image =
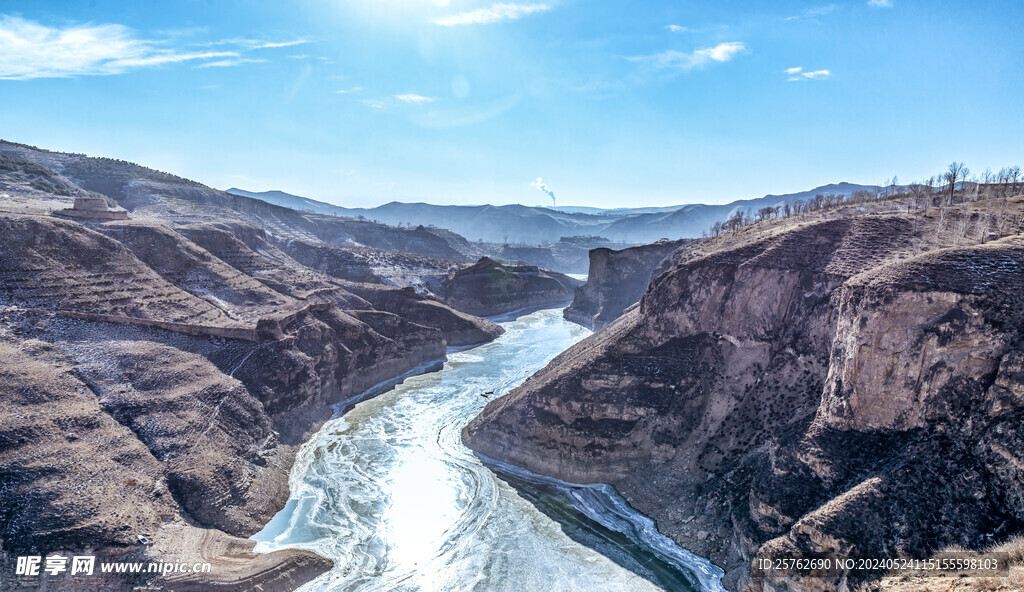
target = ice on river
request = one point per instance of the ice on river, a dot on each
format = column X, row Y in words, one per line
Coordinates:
column 390, row 494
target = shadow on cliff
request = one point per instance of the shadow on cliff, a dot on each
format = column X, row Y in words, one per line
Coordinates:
column 562, row 503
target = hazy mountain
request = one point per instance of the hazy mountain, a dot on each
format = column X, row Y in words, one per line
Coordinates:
column 612, row 211
column 539, row 225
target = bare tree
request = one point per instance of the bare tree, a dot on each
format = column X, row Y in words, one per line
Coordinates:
column 735, row 221
column 862, row 196
column 940, row 225
column 983, row 226
column 1001, row 179
column 917, row 196
column 955, row 172
column 930, row 184
column 962, row 224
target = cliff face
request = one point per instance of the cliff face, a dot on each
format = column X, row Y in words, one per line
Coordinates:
column 160, row 372
column 838, row 387
column 616, row 280
column 126, row 412
column 460, row 329
column 490, row 288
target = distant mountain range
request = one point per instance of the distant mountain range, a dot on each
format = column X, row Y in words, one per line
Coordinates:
column 540, row 225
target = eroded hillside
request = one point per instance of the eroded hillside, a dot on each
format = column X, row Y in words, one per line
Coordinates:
column 490, row 288
column 160, row 372
column 845, row 384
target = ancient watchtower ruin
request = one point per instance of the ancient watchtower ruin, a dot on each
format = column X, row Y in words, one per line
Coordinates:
column 92, row 207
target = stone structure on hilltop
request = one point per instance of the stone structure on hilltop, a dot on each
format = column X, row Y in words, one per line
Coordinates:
column 92, row 207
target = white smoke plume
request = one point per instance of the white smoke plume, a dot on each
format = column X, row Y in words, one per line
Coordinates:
column 539, row 184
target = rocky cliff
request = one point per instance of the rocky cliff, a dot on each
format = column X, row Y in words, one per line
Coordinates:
column 490, row 288
column 848, row 386
column 616, row 280
column 158, row 379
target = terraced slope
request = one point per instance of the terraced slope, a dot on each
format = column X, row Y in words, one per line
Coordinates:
column 58, row 265
column 184, row 263
column 147, row 193
column 158, row 381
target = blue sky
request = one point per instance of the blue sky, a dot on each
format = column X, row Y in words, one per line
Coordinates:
column 465, row 101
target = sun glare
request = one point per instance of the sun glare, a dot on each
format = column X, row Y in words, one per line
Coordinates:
column 421, row 511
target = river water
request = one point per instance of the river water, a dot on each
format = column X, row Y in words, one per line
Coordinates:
column 388, row 491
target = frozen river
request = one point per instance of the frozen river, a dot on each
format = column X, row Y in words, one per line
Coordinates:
column 389, row 493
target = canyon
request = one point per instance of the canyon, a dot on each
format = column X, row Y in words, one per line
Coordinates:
column 162, row 369
column 843, row 383
column 846, row 381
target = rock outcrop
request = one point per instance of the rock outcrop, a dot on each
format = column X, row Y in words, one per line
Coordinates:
column 490, row 288
column 459, row 329
column 846, row 387
column 158, row 380
column 615, row 282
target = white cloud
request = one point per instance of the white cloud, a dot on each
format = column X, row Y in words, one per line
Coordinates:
column 388, row 102
column 276, row 44
column 880, row 3
column 676, row 29
column 797, row 74
column 415, row 99
column 812, row 13
column 230, row 62
column 161, row 57
column 678, row 60
column 32, row 50
column 496, row 13
column 257, row 43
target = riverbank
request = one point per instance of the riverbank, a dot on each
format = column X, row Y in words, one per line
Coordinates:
column 390, row 494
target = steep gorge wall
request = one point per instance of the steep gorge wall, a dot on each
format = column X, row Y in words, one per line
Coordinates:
column 616, row 280
column 194, row 428
column 808, row 391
